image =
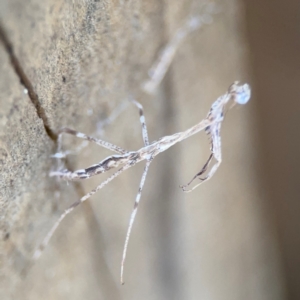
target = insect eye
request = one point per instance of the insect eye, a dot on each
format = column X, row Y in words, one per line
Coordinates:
column 243, row 94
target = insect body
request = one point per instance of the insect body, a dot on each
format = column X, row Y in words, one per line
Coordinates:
column 125, row 159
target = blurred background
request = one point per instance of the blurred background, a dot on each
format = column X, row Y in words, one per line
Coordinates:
column 75, row 63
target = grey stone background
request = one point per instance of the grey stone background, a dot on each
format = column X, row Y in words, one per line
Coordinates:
column 235, row 237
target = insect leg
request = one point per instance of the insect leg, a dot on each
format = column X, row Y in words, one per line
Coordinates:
column 143, row 121
column 215, row 139
column 132, row 218
column 202, row 171
column 74, row 205
column 83, row 136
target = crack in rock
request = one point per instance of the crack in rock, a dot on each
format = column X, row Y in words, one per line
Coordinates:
column 27, row 84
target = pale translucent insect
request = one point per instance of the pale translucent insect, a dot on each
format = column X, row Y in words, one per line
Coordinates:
column 125, row 159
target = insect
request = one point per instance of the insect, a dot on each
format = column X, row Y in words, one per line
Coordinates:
column 236, row 94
